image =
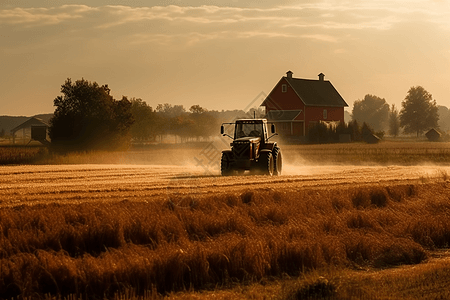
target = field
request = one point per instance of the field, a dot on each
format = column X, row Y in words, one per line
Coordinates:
column 157, row 223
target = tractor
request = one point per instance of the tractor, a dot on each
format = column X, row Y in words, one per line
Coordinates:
column 251, row 149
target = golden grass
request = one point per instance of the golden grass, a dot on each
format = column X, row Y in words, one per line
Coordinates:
column 215, row 241
column 21, row 154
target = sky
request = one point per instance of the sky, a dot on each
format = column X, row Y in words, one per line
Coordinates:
column 221, row 55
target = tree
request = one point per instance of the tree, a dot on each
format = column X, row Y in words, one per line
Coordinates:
column 204, row 123
column 373, row 110
column 444, row 118
column 258, row 112
column 366, row 131
column 319, row 133
column 419, row 111
column 170, row 111
column 88, row 118
column 354, row 130
column 144, row 126
column 171, row 119
column 394, row 121
column 197, row 109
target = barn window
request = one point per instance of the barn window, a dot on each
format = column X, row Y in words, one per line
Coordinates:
column 325, row 114
column 284, row 88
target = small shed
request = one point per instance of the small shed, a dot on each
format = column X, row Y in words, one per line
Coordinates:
column 433, row 135
column 34, row 129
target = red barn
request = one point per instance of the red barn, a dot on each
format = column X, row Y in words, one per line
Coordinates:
column 295, row 104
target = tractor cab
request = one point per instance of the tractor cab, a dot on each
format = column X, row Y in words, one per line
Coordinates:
column 250, row 129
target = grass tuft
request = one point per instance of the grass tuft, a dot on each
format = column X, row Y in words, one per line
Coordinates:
column 312, row 288
column 248, row 197
column 361, row 199
column 402, row 252
column 379, row 197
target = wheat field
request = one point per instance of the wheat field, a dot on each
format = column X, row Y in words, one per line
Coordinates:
column 164, row 231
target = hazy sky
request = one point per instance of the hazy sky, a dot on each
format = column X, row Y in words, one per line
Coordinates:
column 220, row 54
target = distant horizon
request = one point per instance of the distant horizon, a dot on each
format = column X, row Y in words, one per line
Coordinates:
column 221, row 54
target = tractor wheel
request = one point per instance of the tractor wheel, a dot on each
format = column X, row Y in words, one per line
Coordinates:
column 266, row 163
column 277, row 161
column 225, row 165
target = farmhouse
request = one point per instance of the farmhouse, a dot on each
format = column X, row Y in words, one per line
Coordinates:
column 295, row 105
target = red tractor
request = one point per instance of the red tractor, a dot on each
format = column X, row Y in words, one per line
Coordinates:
column 251, row 149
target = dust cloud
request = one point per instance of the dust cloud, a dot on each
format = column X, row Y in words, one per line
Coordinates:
column 203, row 159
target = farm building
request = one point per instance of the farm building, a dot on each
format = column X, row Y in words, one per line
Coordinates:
column 34, row 129
column 295, row 105
column 433, row 135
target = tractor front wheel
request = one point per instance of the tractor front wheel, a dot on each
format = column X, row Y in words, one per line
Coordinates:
column 277, row 161
column 266, row 163
column 225, row 165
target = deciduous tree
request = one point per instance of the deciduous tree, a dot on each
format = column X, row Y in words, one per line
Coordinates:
column 373, row 110
column 197, row 109
column 419, row 111
column 444, row 118
column 144, row 126
column 88, row 118
column 394, row 121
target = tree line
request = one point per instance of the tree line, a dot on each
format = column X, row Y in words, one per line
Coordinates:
column 374, row 116
column 419, row 112
column 167, row 120
column 87, row 117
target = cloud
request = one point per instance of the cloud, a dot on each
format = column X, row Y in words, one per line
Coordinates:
column 43, row 16
column 322, row 21
column 321, row 37
column 328, row 13
column 197, row 15
column 193, row 38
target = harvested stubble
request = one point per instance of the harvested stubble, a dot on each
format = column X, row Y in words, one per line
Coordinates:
column 98, row 249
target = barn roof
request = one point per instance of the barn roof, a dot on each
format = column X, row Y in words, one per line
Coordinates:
column 312, row 92
column 316, row 92
column 33, row 121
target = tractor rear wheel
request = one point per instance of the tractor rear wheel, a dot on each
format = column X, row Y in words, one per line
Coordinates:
column 277, row 161
column 266, row 164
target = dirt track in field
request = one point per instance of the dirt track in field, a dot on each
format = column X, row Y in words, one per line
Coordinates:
column 31, row 185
